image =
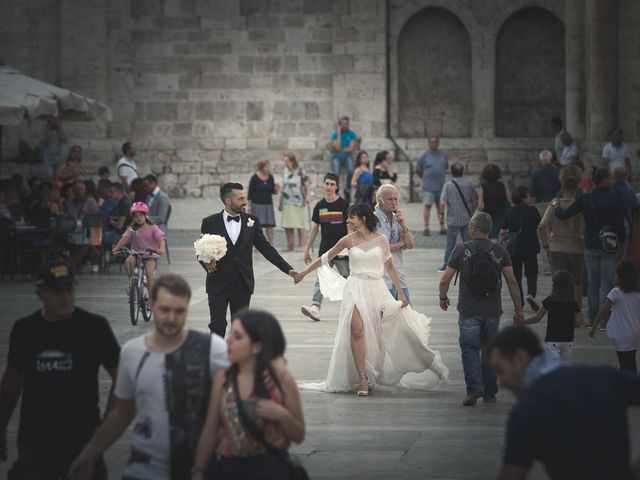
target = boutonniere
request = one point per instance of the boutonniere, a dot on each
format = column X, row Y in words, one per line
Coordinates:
column 250, row 222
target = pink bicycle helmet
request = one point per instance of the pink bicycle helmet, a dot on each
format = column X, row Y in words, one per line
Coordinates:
column 139, row 207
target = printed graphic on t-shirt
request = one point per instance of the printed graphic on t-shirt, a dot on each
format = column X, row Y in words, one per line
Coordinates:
column 327, row 216
column 54, row 361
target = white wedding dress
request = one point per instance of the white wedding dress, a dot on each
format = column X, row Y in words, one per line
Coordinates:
column 396, row 339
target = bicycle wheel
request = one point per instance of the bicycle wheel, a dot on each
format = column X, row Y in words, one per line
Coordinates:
column 134, row 309
column 144, row 302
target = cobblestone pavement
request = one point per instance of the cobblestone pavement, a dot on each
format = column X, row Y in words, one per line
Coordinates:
column 397, row 435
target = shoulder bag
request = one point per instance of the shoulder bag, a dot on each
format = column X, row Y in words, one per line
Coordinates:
column 294, row 467
column 466, row 206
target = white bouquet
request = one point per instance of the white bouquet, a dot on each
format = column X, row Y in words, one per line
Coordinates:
column 210, row 247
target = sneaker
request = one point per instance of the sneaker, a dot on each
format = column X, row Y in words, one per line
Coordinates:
column 489, row 399
column 311, row 311
column 442, row 269
column 425, row 232
column 532, row 303
column 471, row 399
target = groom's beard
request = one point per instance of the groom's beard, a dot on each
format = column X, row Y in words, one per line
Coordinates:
column 239, row 208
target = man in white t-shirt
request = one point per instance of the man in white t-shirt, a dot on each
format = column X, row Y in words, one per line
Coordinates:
column 570, row 153
column 163, row 384
column 616, row 154
column 126, row 168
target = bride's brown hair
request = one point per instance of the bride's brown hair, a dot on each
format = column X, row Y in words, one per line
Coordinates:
column 361, row 210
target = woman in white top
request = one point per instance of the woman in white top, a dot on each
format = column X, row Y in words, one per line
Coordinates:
column 623, row 327
column 379, row 340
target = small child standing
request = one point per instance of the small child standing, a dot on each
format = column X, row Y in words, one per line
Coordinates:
column 563, row 315
column 623, row 327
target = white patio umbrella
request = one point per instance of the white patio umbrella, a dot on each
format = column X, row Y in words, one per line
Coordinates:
column 24, row 98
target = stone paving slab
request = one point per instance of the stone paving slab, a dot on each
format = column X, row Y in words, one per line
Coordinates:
column 398, row 435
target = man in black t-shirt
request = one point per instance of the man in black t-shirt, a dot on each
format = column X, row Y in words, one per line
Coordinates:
column 54, row 358
column 571, row 419
column 330, row 215
column 119, row 217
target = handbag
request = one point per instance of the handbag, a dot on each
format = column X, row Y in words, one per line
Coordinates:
column 294, row 467
column 511, row 240
column 609, row 242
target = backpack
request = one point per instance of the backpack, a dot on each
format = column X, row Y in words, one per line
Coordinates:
column 481, row 273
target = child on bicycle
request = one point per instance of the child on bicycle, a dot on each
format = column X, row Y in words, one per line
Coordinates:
column 143, row 236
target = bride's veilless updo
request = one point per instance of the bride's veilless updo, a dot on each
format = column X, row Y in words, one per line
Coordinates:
column 361, row 210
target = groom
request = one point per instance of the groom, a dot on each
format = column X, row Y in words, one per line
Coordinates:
column 230, row 280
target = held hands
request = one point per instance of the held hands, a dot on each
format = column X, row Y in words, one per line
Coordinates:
column 297, row 276
column 518, row 318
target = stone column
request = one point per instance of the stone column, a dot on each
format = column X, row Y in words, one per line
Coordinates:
column 602, row 68
column 575, row 95
column 483, row 83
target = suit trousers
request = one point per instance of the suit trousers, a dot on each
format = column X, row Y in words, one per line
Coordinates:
column 235, row 296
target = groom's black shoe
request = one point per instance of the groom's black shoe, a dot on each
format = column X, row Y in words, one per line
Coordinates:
column 471, row 399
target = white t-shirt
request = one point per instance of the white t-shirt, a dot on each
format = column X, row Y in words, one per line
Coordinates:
column 150, row 427
column 623, row 327
column 568, row 153
column 126, row 167
column 616, row 155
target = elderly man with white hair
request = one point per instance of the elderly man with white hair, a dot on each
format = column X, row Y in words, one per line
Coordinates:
column 544, row 183
column 393, row 225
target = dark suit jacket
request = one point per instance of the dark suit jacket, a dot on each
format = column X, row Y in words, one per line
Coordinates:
column 238, row 260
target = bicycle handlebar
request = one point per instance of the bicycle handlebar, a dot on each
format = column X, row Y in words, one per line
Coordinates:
column 128, row 251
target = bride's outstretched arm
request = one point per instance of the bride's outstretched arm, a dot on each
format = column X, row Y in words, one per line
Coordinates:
column 343, row 243
column 393, row 274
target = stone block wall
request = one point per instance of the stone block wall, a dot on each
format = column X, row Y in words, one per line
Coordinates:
column 205, row 88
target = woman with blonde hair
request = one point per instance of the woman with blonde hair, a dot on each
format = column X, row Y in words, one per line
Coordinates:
column 259, row 197
column 295, row 196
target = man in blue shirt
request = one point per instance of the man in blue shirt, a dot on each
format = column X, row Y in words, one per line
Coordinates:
column 432, row 168
column 544, row 183
column 572, row 419
column 343, row 144
column 630, row 205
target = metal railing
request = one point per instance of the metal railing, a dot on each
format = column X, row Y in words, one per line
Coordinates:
column 402, row 156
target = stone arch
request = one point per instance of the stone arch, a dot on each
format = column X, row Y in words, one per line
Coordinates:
column 530, row 73
column 434, row 76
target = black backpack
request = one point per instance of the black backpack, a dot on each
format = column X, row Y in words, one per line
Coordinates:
column 480, row 272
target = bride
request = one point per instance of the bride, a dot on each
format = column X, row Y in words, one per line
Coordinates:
column 380, row 340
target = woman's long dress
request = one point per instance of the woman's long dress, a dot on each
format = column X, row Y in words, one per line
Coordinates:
column 396, row 339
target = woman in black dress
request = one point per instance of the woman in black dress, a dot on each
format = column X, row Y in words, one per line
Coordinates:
column 261, row 188
column 493, row 197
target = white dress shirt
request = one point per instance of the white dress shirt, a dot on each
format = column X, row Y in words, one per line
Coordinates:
column 152, row 197
column 233, row 228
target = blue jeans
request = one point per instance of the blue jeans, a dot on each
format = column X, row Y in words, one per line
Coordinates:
column 452, row 236
column 601, row 267
column 338, row 163
column 394, row 293
column 475, row 333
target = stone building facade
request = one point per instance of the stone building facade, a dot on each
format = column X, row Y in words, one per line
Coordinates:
column 205, row 88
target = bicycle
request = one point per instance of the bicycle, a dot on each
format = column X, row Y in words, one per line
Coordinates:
column 138, row 288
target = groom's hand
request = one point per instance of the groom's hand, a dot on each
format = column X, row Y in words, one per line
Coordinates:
column 292, row 273
column 211, row 266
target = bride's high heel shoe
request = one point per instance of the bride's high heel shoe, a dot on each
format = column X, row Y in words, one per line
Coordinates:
column 364, row 382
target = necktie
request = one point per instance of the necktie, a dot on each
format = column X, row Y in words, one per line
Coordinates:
column 233, row 219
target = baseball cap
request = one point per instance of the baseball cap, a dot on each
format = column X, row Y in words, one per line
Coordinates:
column 55, row 273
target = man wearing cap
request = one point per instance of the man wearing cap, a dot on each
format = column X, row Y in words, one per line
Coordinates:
column 53, row 362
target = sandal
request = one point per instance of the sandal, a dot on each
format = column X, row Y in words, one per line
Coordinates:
column 364, row 381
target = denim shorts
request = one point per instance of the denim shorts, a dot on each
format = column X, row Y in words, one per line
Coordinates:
column 429, row 198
